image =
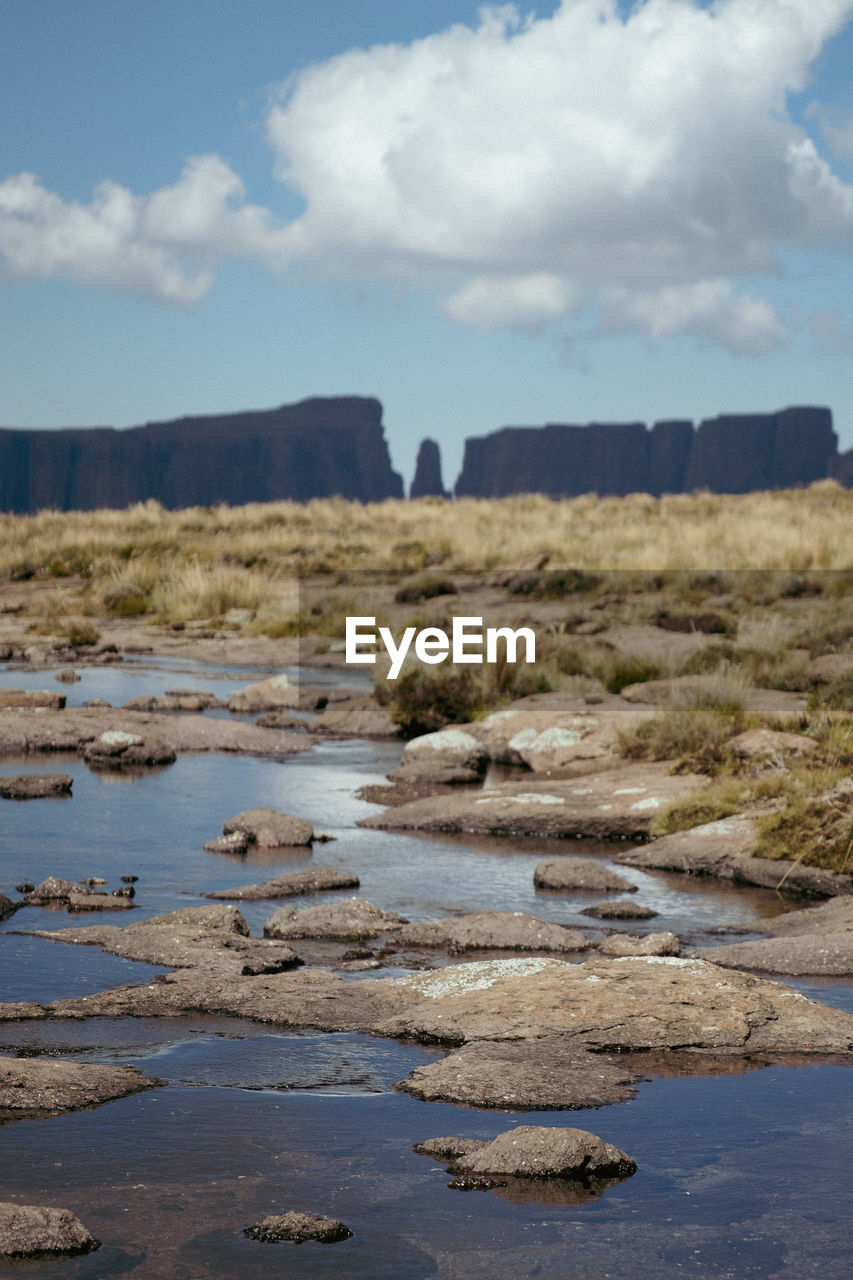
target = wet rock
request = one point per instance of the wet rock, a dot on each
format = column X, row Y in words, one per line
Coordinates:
column 571, row 872
column 129, row 879
column 448, row 1148
column 265, row 695
column 35, row 786
column 532, row 1151
column 270, row 829
column 291, row 884
column 281, row 720
column 214, row 939
column 55, row 892
column 620, row 910
column 67, row 675
column 7, row 906
column 53, row 889
column 540, row 1074
column 38, row 1231
column 297, row 1227
column 32, row 699
column 236, row 842
column 618, row 804
column 833, row 916
column 491, row 930
column 118, row 749
column 26, row 886
column 31, row 1086
column 724, row 849
column 358, row 717
column 176, row 700
column 653, row 944
column 117, row 901
column 355, row 919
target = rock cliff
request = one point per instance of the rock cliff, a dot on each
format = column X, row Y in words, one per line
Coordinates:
column 317, row 448
column 728, row 454
column 428, row 482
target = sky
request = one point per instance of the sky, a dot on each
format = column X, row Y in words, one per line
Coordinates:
column 485, row 216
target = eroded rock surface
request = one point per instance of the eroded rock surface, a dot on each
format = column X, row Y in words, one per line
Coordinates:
column 725, row 849
column 533, row 1151
column 44, row 1086
column 653, row 944
column 39, row 1231
column 491, row 930
column 354, row 920
column 291, row 884
column 614, row 805
column 356, row 717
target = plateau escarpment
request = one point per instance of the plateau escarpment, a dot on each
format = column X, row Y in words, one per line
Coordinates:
column 317, row 448
column 733, row 453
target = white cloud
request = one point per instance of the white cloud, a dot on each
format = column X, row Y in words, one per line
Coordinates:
column 640, row 163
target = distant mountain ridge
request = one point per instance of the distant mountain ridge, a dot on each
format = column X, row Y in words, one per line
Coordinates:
column 335, row 446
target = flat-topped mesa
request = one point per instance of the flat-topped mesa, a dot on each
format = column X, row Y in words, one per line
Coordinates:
column 322, row 447
column 734, row 453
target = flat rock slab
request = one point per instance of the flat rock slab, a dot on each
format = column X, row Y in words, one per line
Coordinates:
column 269, row 828
column 35, row 786
column 542, row 1074
column 618, row 804
column 658, row 1002
column 572, row 872
column 297, row 1227
column 653, row 944
column 22, row 730
column 44, row 1086
column 533, row 1151
column 631, row 1002
column 688, row 690
column 210, row 938
column 353, row 920
column 292, row 884
column 833, row 916
column 799, row 954
column 621, row 910
column 724, row 849
column 39, row 1231
column 491, row 930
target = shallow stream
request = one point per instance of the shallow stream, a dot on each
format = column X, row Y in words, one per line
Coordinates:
column 748, row 1174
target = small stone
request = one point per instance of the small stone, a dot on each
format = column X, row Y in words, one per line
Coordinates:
column 619, row 910
column 297, row 1227
column 653, row 944
column 129, row 879
column 571, row 872
column 24, row 887
column 448, row 1148
column 236, row 842
column 67, row 675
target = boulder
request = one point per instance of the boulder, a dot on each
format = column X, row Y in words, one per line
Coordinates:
column 265, row 695
column 572, row 872
column 546, row 1073
column 32, row 699
column 357, row 717
column 619, row 910
column 653, row 944
column 39, row 1231
column 297, row 1227
column 532, row 1151
column 449, row 755
column 117, row 749
column 35, row 786
column 491, row 930
column 558, row 733
column 270, row 829
column 32, row 1086
column 292, row 884
column 355, row 919
column 618, row 804
column 7, row 906
column 769, row 746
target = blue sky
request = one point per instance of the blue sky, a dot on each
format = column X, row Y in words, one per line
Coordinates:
column 559, row 212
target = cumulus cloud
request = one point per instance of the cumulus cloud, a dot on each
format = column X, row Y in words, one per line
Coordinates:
column 637, row 165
